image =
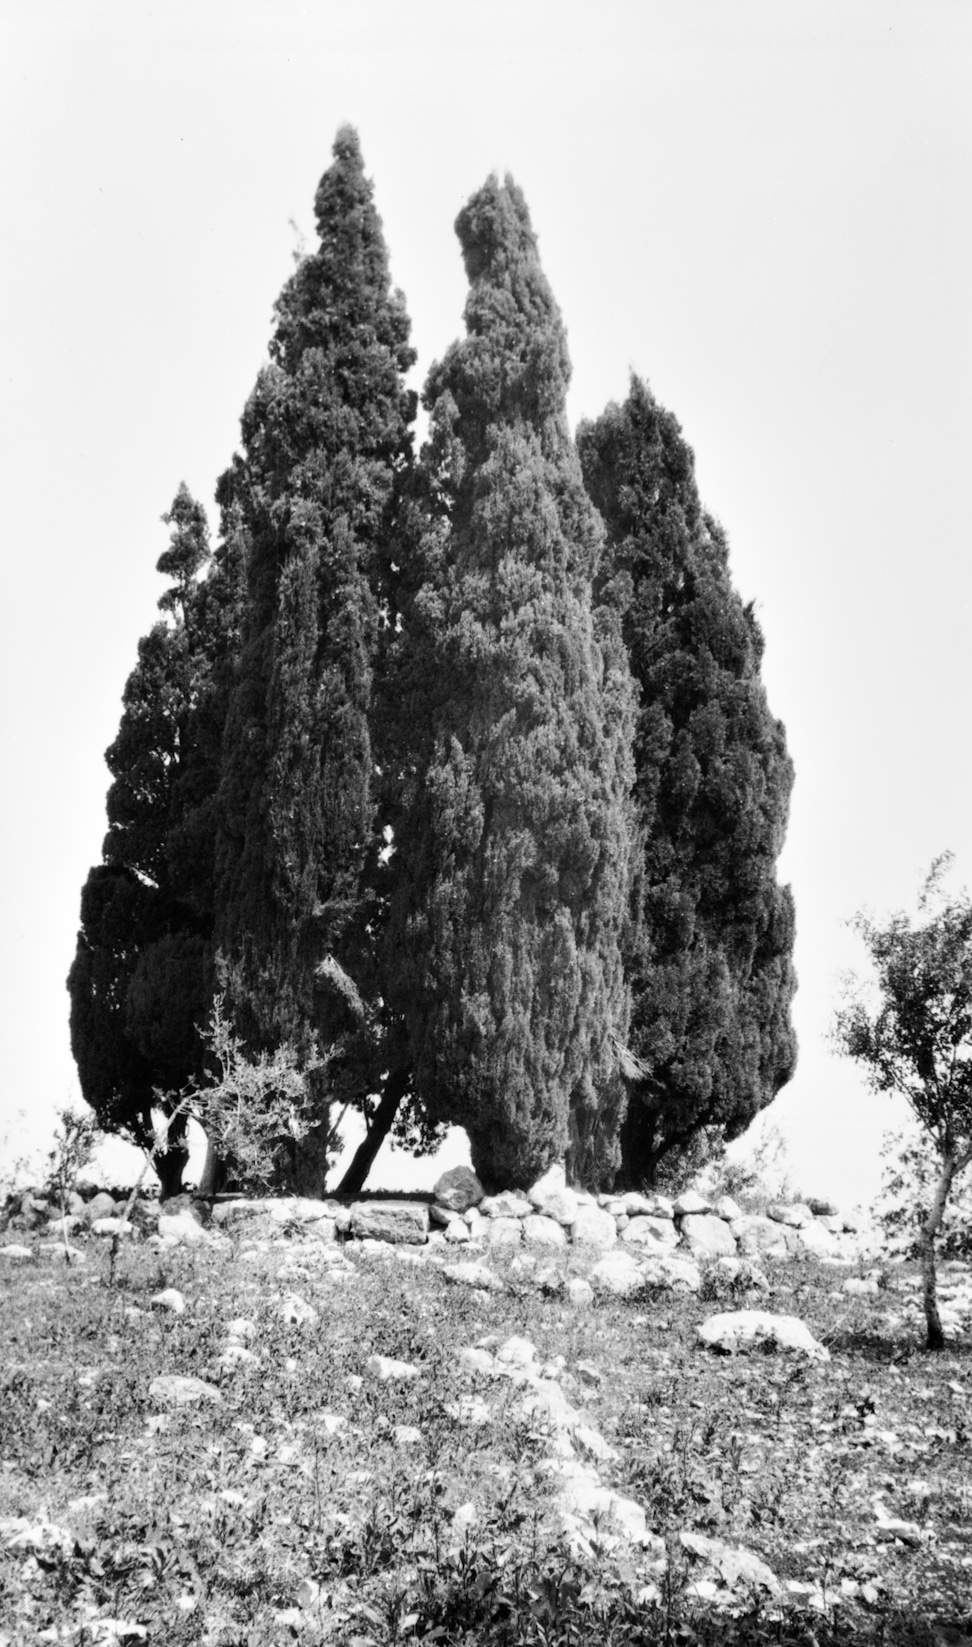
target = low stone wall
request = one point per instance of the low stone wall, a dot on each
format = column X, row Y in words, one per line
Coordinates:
column 551, row 1217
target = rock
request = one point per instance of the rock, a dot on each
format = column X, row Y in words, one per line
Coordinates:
column 505, row 1205
column 101, row 1205
column 457, row 1232
column 706, row 1235
column 182, row 1390
column 551, row 1196
column 734, row 1566
column 296, row 1311
column 472, row 1274
column 66, row 1225
column 637, row 1205
column 593, row 1443
column 812, row 1238
column 617, row 1274
column 579, row 1293
column 832, row 1222
column 594, row 1228
column 74, row 1204
column 648, row 1231
column 690, row 1204
column 169, row 1299
column 794, row 1217
column 440, row 1215
column 302, row 1209
column 504, row 1232
column 241, row 1330
column 517, row 1352
column 744, row 1329
column 474, row 1222
column 540, row 1231
column 180, row 1229
column 396, row 1221
column 476, row 1360
column 586, row 1508
column 15, row 1253
column 458, row 1189
column 407, row 1435
column 386, row 1368
column 860, row 1284
column 760, row 1237
column 728, row 1209
column 822, row 1208
column 112, row 1226
column 237, row 1355
column 671, row 1272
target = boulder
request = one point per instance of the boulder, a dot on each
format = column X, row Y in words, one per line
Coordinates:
column 759, row 1237
column 650, row 1232
column 182, row 1390
column 387, row 1369
column 727, row 1208
column 730, row 1564
column 813, row 1238
column 745, row 1329
column 794, row 1217
column 505, row 1205
column 504, row 1232
column 550, row 1196
column 181, row 1230
column 671, row 1272
column 637, row 1205
column 617, row 1274
column 594, row 1228
column 112, row 1226
column 457, row 1232
column 170, row 1298
column 101, row 1205
column 539, row 1231
column 706, row 1235
column 471, row 1273
column 579, row 1292
column 691, row 1203
column 458, row 1189
column 822, row 1208
column 400, row 1222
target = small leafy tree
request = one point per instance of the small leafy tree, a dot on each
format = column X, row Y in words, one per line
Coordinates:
column 907, row 1186
column 917, row 1040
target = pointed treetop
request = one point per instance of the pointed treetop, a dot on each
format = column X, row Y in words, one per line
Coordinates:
column 188, row 549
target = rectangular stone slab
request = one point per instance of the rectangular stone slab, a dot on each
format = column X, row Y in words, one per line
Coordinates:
column 396, row 1221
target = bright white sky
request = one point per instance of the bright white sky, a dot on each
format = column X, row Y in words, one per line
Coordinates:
column 762, row 208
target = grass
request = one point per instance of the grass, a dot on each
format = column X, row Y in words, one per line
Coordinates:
column 315, row 1503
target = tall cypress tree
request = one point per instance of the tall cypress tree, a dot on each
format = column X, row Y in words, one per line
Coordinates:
column 325, row 439
column 710, row 953
column 141, row 977
column 514, row 839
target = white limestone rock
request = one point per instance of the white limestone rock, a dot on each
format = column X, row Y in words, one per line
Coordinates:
column 540, row 1231
column 813, row 1238
column 706, row 1235
column 733, row 1565
column 505, row 1205
column 180, row 1229
column 617, row 1274
column 794, row 1216
column 579, row 1293
column 405, row 1222
column 296, row 1311
column 738, row 1330
column 656, row 1234
column 691, row 1203
column 727, row 1208
column 550, row 1195
column 387, row 1369
column 594, row 1228
column 170, row 1298
column 182, row 1390
column 760, row 1237
column 472, row 1273
column 504, row 1232
column 671, row 1272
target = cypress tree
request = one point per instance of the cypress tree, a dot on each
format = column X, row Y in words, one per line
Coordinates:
column 513, row 838
column 325, row 440
column 710, row 951
column 141, row 977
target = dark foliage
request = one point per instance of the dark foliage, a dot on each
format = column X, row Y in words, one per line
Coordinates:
column 514, row 838
column 325, row 441
column 710, row 952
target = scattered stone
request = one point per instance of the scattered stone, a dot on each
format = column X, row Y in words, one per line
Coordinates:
column 237, row 1355
column 733, row 1565
column 473, row 1273
column 636, row 1205
column 728, row 1209
column 404, row 1221
column 15, row 1253
column 101, row 1205
column 822, row 1208
column 617, row 1273
column 458, row 1190
column 170, row 1298
column 181, row 1229
column 671, row 1272
column 759, row 1236
column 408, row 1435
column 813, row 1238
column 517, row 1352
column 112, row 1226
column 647, row 1229
column 241, row 1330
column 579, row 1292
column 182, row 1390
column 745, row 1329
column 297, row 1312
column 457, row 1232
column 477, row 1360
column 386, row 1368
column 551, row 1196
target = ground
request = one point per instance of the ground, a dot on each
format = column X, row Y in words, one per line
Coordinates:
column 307, row 1495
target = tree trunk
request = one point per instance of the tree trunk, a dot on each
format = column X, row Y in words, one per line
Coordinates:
column 213, row 1174
column 929, row 1232
column 364, row 1156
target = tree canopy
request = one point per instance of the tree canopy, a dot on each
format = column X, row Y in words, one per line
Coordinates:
column 709, row 955
column 516, row 843
column 915, row 1038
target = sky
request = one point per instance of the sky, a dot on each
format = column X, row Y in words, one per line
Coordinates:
column 763, row 209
